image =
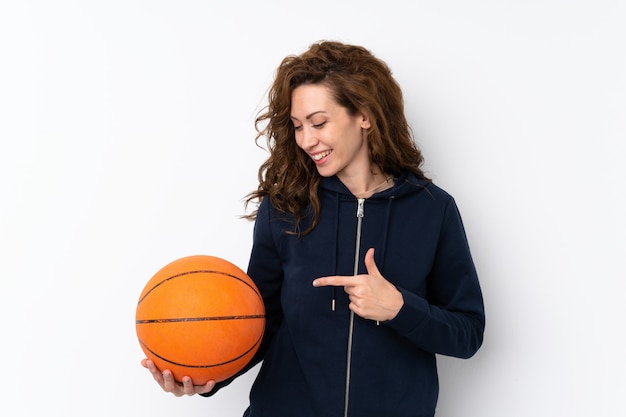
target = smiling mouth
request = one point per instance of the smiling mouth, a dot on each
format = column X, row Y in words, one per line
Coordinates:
column 321, row 155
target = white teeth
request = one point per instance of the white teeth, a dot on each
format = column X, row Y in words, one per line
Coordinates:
column 321, row 155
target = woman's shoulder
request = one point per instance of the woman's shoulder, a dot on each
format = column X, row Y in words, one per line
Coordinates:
column 411, row 184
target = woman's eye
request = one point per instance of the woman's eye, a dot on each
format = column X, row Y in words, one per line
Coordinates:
column 297, row 127
column 318, row 125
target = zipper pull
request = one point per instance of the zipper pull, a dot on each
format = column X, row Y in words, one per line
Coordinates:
column 359, row 209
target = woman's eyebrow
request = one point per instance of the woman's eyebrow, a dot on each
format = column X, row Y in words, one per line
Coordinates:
column 309, row 116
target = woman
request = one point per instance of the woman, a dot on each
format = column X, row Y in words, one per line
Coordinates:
column 362, row 261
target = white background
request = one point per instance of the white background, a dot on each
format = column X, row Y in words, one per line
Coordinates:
column 126, row 133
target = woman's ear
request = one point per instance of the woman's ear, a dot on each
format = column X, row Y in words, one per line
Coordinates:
column 365, row 120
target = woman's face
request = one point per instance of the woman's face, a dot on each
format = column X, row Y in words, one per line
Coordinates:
column 334, row 139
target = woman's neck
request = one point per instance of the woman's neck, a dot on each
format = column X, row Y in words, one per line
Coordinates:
column 378, row 183
column 368, row 181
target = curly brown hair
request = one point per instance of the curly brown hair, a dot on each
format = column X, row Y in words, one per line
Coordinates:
column 360, row 82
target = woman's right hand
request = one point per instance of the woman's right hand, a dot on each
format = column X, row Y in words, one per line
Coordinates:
column 167, row 382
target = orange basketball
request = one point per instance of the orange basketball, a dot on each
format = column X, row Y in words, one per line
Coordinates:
column 202, row 317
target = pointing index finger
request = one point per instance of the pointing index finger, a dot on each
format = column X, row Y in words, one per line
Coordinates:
column 335, row 281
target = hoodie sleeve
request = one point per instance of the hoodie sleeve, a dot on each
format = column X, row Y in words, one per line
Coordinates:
column 266, row 271
column 451, row 319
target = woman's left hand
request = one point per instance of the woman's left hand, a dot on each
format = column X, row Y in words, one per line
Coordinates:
column 371, row 295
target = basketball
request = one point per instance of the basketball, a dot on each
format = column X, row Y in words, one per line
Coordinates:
column 200, row 316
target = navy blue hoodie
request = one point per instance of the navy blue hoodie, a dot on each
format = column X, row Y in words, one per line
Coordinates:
column 420, row 247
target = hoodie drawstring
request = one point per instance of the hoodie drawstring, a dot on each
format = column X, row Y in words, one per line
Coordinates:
column 333, row 301
column 383, row 247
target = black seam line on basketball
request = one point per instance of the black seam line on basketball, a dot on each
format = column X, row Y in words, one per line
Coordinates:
column 202, row 366
column 199, row 271
column 188, row 319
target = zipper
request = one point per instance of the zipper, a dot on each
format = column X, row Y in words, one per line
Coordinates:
column 359, row 219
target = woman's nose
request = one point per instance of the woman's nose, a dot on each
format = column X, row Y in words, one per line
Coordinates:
column 309, row 138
